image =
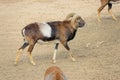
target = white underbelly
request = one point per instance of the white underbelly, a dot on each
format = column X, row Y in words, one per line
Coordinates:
column 117, row 2
column 47, row 42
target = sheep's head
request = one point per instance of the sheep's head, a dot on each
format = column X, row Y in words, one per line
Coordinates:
column 77, row 22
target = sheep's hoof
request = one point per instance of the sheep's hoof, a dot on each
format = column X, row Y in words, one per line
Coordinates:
column 15, row 63
column 33, row 63
column 73, row 59
column 54, row 61
column 115, row 19
column 99, row 20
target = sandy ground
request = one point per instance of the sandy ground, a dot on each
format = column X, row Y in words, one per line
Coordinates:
column 96, row 46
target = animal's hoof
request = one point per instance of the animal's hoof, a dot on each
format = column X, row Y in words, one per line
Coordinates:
column 15, row 63
column 73, row 59
column 54, row 61
column 99, row 20
column 33, row 63
column 115, row 19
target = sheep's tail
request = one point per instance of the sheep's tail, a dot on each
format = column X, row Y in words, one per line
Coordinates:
column 23, row 32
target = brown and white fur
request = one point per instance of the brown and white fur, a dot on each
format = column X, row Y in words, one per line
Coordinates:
column 63, row 31
column 105, row 3
column 54, row 73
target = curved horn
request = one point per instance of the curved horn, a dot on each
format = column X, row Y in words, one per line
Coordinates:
column 69, row 16
column 73, row 21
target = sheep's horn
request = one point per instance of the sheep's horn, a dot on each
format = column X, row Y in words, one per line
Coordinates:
column 69, row 16
column 73, row 21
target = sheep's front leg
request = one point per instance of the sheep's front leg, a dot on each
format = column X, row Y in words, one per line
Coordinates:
column 55, row 51
column 65, row 44
column 73, row 59
column 100, row 9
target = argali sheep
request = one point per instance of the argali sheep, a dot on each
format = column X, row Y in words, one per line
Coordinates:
column 63, row 31
column 54, row 73
column 105, row 3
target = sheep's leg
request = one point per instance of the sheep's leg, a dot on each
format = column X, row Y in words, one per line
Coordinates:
column 17, row 56
column 100, row 9
column 67, row 47
column 20, row 51
column 55, row 51
column 110, row 11
column 29, row 53
column 31, row 58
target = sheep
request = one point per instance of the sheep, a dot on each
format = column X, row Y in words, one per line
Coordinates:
column 54, row 73
column 62, row 31
column 105, row 3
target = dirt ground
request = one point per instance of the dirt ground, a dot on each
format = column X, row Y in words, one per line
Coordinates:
column 96, row 46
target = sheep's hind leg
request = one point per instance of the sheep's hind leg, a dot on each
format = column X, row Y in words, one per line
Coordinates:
column 18, row 56
column 31, row 58
column 20, row 52
column 110, row 11
column 29, row 54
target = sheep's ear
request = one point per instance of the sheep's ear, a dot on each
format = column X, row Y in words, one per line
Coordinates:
column 73, row 21
column 69, row 16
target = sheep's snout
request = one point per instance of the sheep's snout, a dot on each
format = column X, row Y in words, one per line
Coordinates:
column 81, row 23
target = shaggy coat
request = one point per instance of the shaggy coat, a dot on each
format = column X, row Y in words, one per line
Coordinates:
column 63, row 31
